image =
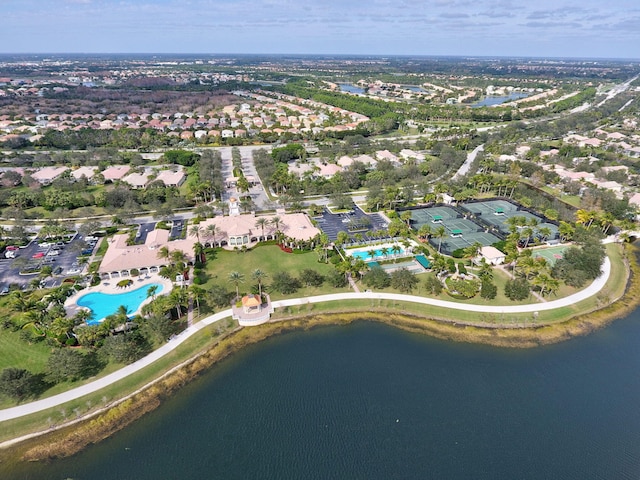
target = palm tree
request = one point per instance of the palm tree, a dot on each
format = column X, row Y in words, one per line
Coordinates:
column 396, row 249
column 259, row 276
column 210, row 231
column 527, row 233
column 195, row 230
column 179, row 258
column 151, row 291
column 236, row 278
column 276, row 221
column 384, row 251
column 179, row 298
column 566, row 231
column 544, row 232
column 197, row 293
column 440, row 233
column 198, row 252
column 372, row 253
column 262, row 222
column 163, row 253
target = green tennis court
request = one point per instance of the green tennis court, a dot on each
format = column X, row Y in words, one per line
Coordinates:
column 551, row 254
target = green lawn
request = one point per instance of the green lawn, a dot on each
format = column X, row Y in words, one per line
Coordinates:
column 270, row 259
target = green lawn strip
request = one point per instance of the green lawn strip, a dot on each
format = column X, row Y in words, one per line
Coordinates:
column 16, row 352
column 42, row 420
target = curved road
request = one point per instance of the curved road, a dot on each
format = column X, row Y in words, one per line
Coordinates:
column 56, row 400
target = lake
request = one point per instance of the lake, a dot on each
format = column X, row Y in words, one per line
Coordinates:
column 372, row 402
column 350, row 88
column 497, row 100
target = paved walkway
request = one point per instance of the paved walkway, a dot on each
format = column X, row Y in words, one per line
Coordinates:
column 56, row 400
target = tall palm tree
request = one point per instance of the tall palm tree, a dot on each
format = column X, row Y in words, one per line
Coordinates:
column 259, row 276
column 440, row 233
column 262, row 222
column 198, row 252
column 197, row 293
column 236, row 278
column 179, row 258
column 566, row 231
column 195, row 231
column 276, row 222
column 163, row 253
column 396, row 249
column 384, row 251
column 179, row 298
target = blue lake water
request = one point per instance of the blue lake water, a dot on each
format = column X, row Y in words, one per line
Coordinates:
column 348, row 87
column 497, row 100
column 104, row 304
column 372, row 402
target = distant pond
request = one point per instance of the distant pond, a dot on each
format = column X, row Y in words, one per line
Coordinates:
column 497, row 100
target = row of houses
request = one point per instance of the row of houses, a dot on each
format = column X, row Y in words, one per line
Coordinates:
column 173, row 176
column 319, row 168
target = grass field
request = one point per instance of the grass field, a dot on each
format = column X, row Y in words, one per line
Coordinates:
column 270, row 259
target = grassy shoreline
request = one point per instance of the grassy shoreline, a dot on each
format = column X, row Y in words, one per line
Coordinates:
column 66, row 440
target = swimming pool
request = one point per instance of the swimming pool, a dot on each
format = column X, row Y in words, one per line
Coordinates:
column 104, row 304
column 365, row 254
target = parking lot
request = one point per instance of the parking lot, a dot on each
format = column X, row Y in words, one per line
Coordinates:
column 61, row 256
column 332, row 223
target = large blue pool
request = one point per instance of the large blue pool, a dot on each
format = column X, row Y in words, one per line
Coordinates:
column 104, row 304
column 364, row 254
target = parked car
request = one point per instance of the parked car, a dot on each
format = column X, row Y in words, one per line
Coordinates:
column 53, row 253
column 57, row 270
column 88, row 251
column 38, row 255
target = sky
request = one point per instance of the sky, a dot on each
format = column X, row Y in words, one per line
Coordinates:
column 532, row 28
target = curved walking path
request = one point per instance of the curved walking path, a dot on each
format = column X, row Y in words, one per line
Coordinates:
column 94, row 386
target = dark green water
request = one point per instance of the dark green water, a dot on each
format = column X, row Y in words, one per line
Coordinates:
column 367, row 401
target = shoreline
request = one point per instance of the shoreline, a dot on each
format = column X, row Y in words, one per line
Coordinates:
column 70, row 438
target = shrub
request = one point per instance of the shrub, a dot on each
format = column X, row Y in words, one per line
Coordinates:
column 462, row 270
column 458, row 253
column 135, row 272
column 488, row 289
column 517, row 289
column 377, row 278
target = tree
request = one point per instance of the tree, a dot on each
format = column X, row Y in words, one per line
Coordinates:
column 376, row 277
column 65, row 364
column 195, row 231
column 284, row 283
column 17, row 383
column 488, row 289
column 211, row 231
column 336, row 279
column 403, row 280
column 219, row 296
column 517, row 289
column 259, row 276
column 276, row 221
column 440, row 233
column 126, row 347
column 236, row 278
column 311, row 278
column 433, row 285
column 197, row 293
column 262, row 222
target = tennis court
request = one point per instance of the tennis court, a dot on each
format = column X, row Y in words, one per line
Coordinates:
column 487, row 216
column 551, row 254
column 432, row 216
column 450, row 244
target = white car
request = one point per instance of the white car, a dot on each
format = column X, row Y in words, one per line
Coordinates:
column 53, row 253
column 44, row 245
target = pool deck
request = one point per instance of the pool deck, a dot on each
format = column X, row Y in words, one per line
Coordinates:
column 111, row 287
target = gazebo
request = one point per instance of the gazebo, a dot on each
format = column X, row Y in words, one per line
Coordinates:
column 251, row 304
